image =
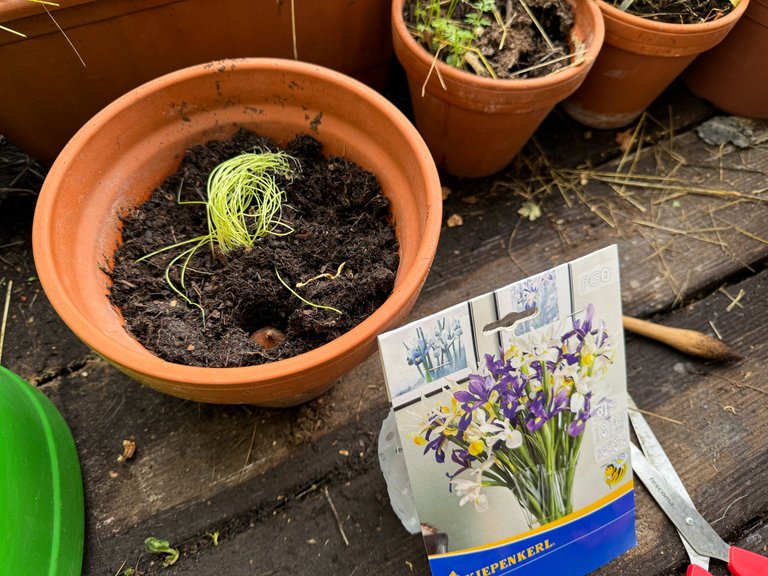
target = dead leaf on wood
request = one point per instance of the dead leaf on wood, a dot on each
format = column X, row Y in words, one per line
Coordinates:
column 129, row 451
column 624, row 139
column 455, row 220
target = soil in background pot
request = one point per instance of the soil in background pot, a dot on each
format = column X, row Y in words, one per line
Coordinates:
column 339, row 215
column 516, row 40
column 678, row 11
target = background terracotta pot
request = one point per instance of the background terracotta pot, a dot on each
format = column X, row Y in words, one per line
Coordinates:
column 477, row 125
column 734, row 74
column 116, row 160
column 47, row 94
column 639, row 60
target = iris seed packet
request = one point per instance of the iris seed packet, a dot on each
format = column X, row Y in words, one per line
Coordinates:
column 512, row 413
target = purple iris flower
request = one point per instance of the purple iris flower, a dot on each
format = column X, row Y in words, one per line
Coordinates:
column 560, row 402
column 478, row 392
column 437, row 446
column 509, row 402
column 463, row 458
column 581, row 327
column 500, row 369
column 537, row 416
column 576, row 427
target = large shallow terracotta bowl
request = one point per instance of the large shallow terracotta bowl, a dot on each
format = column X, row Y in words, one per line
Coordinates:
column 113, row 163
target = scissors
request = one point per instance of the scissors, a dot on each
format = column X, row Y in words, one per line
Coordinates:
column 699, row 538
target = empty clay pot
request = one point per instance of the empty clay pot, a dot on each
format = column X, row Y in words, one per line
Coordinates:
column 115, row 161
column 475, row 126
column 640, row 58
column 734, row 74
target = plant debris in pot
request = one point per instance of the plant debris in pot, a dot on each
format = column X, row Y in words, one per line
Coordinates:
column 677, row 11
column 496, row 38
column 251, row 254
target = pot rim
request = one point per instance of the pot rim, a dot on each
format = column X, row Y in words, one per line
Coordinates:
column 264, row 375
column 16, row 9
column 522, row 84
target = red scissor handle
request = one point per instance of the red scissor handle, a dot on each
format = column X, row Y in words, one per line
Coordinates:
column 694, row 570
column 745, row 563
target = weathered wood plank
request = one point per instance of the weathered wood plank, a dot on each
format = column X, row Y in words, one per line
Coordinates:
column 172, row 496
column 720, row 451
column 189, row 454
column 661, row 265
column 37, row 345
column 43, row 348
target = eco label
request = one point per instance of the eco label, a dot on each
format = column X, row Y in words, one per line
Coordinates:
column 512, row 412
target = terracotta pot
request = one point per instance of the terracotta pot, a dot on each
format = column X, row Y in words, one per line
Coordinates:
column 477, row 125
column 114, row 162
column 734, row 74
column 639, row 60
column 47, row 94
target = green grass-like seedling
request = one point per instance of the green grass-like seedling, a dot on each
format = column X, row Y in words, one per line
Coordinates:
column 452, row 34
column 244, row 203
column 244, row 200
column 292, row 291
column 156, row 546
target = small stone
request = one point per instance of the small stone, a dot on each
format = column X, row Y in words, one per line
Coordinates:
column 454, row 220
column 191, row 347
column 446, row 192
column 727, row 129
column 344, row 452
column 471, row 199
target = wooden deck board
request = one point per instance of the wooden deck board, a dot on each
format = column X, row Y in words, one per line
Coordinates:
column 720, row 455
column 245, row 471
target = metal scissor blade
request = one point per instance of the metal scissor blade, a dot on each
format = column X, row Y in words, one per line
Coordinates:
column 655, row 454
column 692, row 525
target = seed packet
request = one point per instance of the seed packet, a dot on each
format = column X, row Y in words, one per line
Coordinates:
column 512, row 412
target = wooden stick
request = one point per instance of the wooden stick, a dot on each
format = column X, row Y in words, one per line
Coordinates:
column 5, row 316
column 688, row 341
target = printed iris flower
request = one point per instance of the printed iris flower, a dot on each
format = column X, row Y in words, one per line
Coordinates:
column 520, row 424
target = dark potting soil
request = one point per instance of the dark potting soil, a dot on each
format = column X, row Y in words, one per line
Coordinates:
column 523, row 52
column 679, row 11
column 339, row 216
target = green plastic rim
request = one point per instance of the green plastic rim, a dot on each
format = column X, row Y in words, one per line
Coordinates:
column 42, row 516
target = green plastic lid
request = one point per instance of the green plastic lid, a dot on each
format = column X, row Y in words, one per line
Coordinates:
column 42, row 518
